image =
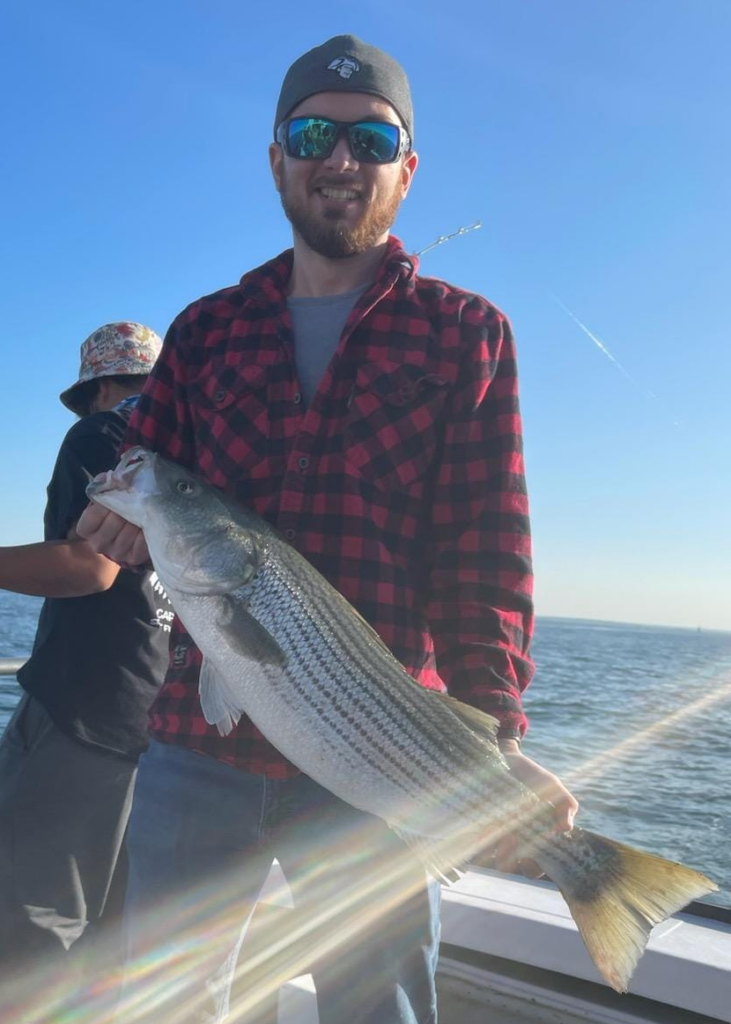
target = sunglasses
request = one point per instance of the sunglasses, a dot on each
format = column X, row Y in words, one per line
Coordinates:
column 371, row 142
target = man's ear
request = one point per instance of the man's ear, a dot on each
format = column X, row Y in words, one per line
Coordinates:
column 408, row 170
column 276, row 158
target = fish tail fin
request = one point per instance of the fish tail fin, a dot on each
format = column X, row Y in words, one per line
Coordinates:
column 617, row 894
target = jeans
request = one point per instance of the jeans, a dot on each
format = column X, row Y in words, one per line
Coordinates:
column 201, row 839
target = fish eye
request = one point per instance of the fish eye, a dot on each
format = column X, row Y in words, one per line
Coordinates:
column 184, row 487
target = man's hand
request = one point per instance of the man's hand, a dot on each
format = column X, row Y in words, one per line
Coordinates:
column 113, row 536
column 503, row 854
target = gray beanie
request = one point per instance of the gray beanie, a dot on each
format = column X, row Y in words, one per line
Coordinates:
column 346, row 64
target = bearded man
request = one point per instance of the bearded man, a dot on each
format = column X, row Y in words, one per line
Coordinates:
column 371, row 415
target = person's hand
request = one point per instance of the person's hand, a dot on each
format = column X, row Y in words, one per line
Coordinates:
column 113, row 536
column 504, row 854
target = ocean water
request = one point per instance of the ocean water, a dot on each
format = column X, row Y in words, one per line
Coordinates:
column 635, row 719
column 18, row 618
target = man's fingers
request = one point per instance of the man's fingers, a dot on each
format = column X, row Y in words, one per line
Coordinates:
column 123, row 542
column 140, row 554
column 503, row 855
column 111, row 535
column 566, row 810
column 548, row 786
column 90, row 519
column 507, row 858
column 565, row 805
column 100, row 526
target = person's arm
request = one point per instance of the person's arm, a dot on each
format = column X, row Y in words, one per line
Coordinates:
column 64, row 565
column 480, row 610
column 55, row 568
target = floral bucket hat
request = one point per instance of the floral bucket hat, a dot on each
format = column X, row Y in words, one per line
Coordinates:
column 118, row 348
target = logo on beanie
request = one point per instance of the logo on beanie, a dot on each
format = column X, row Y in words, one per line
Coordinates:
column 345, row 66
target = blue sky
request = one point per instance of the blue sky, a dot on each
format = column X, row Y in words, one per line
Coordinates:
column 590, row 137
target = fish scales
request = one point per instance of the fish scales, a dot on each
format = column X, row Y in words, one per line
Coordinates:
column 344, row 668
column 292, row 699
column 323, row 677
column 405, row 732
column 362, row 650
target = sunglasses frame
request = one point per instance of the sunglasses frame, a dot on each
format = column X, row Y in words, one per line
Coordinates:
column 282, row 137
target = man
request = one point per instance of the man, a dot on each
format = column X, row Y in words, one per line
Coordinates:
column 68, row 756
column 372, row 416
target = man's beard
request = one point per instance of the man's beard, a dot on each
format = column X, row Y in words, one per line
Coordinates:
column 331, row 237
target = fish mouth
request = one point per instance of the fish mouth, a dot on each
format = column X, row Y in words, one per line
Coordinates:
column 122, row 477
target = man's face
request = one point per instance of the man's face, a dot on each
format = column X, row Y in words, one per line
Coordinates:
column 338, row 206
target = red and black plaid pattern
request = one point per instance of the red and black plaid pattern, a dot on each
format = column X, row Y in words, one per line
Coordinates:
column 402, row 482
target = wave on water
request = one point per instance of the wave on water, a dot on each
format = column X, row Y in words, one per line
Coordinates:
column 18, row 619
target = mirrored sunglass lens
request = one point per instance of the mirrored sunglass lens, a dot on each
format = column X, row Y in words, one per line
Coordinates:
column 310, row 137
column 374, row 141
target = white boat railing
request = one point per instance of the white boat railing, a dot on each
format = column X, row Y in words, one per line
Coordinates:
column 509, row 941
column 9, row 666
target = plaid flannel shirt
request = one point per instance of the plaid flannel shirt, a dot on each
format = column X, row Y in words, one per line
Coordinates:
column 402, row 483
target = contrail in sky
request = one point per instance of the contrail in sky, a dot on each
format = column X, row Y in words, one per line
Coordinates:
column 606, row 352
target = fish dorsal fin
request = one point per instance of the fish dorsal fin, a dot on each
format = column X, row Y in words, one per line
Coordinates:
column 433, row 854
column 478, row 722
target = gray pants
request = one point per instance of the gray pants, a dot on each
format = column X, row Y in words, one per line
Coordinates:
column 63, row 815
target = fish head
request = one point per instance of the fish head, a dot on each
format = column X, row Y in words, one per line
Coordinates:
column 128, row 487
column 195, row 542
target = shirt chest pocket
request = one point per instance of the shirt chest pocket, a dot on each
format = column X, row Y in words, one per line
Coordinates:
column 231, row 416
column 392, row 427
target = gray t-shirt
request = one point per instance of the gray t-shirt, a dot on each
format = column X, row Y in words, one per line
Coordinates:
column 317, row 324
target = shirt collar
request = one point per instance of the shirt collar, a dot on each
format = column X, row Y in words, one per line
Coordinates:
column 268, row 283
column 127, row 404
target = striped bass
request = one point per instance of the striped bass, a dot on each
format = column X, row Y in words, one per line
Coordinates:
column 281, row 645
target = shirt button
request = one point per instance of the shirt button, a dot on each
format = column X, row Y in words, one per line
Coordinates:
column 303, row 462
column 220, row 396
column 297, row 398
column 290, row 534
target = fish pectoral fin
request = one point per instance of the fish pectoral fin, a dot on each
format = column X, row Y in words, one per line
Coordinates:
column 478, row 722
column 435, row 854
column 218, row 701
column 246, row 635
column 223, row 698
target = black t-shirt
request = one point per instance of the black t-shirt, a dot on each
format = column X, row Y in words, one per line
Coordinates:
column 97, row 661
